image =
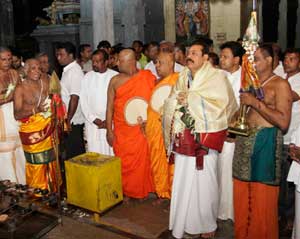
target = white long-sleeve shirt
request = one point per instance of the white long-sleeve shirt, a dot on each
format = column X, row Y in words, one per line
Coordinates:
column 93, row 95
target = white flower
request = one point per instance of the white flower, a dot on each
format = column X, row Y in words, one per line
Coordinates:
column 178, row 125
column 10, row 89
column 47, row 113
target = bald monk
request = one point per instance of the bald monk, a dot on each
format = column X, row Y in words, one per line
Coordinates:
column 162, row 171
column 129, row 141
column 32, row 108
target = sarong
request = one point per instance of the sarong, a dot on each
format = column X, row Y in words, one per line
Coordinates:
column 37, row 136
column 257, row 158
column 256, row 171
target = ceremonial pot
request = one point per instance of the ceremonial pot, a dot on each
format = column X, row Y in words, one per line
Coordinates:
column 94, row 181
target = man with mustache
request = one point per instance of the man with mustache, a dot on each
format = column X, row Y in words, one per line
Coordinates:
column 195, row 120
column 93, row 102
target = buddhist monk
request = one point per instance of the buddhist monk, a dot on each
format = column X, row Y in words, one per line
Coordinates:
column 128, row 140
column 161, row 170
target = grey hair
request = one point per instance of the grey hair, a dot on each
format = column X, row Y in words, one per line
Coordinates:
column 4, row 49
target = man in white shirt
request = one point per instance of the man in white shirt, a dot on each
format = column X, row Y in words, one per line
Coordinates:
column 286, row 199
column 70, row 91
column 93, row 98
column 230, row 59
column 153, row 50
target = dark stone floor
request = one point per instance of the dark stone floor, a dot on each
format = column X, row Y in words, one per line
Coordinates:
column 136, row 220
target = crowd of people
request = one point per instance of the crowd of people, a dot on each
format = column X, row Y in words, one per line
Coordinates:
column 164, row 109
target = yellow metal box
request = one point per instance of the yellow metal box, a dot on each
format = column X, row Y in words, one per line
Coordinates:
column 94, row 181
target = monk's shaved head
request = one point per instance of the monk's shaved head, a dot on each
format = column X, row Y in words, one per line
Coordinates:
column 127, row 60
column 165, row 64
column 168, row 56
column 127, row 54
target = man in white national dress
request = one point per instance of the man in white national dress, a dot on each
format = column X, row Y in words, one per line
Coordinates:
column 12, row 158
column 93, row 102
column 230, row 60
column 198, row 115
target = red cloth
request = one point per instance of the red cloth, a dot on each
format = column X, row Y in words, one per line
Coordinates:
column 186, row 144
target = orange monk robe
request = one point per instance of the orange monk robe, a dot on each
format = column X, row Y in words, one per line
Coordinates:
column 130, row 144
column 162, row 171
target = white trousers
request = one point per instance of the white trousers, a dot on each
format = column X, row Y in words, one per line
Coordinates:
column 194, row 202
column 226, row 182
column 96, row 140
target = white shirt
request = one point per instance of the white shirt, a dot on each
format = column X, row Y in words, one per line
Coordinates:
column 279, row 70
column 93, row 95
column 87, row 67
column 71, row 85
column 235, row 81
column 294, row 173
column 295, row 117
column 151, row 66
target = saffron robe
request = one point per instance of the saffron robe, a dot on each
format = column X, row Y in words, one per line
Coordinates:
column 162, row 171
column 130, row 144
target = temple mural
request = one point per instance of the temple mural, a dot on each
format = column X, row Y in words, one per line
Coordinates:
column 192, row 19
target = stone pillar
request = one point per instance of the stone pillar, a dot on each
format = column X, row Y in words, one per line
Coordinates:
column 225, row 21
column 7, row 33
column 86, row 23
column 103, row 25
column 169, row 17
column 133, row 21
column 282, row 23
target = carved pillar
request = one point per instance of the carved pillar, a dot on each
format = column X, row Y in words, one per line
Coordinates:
column 86, row 23
column 133, row 21
column 7, row 34
column 169, row 17
column 282, row 23
column 103, row 25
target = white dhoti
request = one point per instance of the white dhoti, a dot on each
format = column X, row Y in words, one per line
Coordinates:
column 96, row 140
column 194, row 202
column 294, row 176
column 12, row 158
column 225, row 181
